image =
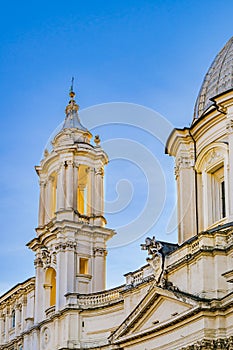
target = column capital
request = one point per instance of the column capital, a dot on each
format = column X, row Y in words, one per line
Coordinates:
column 184, row 161
column 69, row 162
column 100, row 171
column 38, row 263
column 97, row 251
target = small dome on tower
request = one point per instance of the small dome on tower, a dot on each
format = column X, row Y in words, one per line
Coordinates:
column 218, row 79
column 72, row 118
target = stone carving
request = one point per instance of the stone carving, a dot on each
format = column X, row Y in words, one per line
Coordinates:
column 207, row 344
column 213, row 157
column 47, row 259
column 183, row 162
column 229, row 126
column 99, row 251
column 100, row 171
column 38, row 262
column 69, row 245
column 46, row 337
column 155, row 259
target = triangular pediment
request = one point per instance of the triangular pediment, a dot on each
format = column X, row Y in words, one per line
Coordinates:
column 162, row 310
column 158, row 307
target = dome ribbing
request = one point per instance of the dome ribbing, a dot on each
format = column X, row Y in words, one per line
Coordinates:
column 218, row 79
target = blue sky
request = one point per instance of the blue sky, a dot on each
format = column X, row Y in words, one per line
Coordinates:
column 151, row 53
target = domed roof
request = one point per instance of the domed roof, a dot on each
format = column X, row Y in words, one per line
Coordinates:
column 218, row 79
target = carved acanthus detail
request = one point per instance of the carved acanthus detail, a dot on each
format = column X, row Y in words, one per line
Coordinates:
column 99, row 251
column 38, row 262
column 69, row 245
column 100, row 171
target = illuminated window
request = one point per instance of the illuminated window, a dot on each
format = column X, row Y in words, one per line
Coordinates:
column 82, row 191
column 83, row 266
column 51, row 283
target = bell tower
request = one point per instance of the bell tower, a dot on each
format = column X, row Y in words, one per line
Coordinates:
column 70, row 246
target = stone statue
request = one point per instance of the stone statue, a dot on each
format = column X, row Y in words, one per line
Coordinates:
column 155, row 258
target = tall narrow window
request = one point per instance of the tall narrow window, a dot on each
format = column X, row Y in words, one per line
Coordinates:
column 13, row 319
column 218, row 200
column 82, row 190
column 223, row 200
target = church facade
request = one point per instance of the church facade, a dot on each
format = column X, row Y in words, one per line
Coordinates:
column 182, row 299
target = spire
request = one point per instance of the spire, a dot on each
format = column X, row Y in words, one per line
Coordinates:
column 72, row 119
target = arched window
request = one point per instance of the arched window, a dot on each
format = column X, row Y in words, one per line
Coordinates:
column 211, row 166
column 50, row 279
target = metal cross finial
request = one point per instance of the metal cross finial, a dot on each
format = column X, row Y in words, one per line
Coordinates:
column 72, row 85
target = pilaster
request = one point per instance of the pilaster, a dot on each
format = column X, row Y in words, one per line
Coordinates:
column 185, row 176
column 229, row 129
column 61, row 188
column 69, row 184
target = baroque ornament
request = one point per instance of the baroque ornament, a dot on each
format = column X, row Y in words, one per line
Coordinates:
column 155, row 258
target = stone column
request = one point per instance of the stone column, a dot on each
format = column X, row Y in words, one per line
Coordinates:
column 185, row 176
column 61, row 188
column 69, row 185
column 99, row 277
column 47, row 293
column 91, row 191
column 17, row 320
column 99, row 195
column 70, row 266
column 50, row 196
column 39, row 289
column 206, row 197
column 75, row 187
column 66, row 274
column 24, row 306
column 61, row 277
column 48, row 200
column 7, row 324
column 46, row 214
column 1, row 327
column 41, row 218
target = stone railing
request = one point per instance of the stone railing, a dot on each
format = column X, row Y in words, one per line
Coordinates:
column 140, row 276
column 101, row 298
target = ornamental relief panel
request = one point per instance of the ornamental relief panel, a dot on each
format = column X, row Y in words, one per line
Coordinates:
column 214, row 156
column 185, row 161
column 206, row 344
